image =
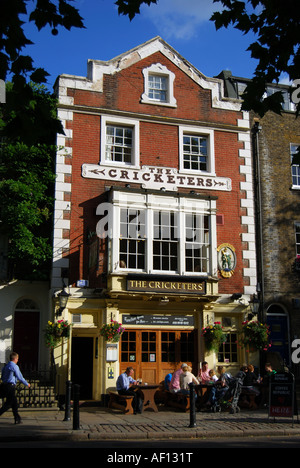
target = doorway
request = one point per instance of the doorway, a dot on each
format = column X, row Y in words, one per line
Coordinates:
column 26, row 334
column 279, row 332
column 155, row 353
column 82, row 365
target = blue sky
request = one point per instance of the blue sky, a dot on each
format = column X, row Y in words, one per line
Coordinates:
column 184, row 24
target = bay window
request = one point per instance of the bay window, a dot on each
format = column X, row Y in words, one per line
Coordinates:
column 162, row 234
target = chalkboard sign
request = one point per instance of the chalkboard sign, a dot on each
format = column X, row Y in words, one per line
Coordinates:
column 282, row 395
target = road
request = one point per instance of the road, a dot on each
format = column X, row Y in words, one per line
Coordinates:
column 147, row 449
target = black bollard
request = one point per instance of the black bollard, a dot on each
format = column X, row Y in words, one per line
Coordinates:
column 192, row 405
column 68, row 400
column 76, row 393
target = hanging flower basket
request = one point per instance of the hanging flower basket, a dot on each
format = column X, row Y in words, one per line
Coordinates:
column 255, row 335
column 112, row 331
column 213, row 336
column 55, row 331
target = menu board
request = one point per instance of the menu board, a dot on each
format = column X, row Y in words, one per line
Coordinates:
column 282, row 395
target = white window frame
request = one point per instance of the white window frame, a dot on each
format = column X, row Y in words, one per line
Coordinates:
column 297, row 237
column 296, row 168
column 199, row 132
column 121, row 122
column 159, row 70
column 151, row 203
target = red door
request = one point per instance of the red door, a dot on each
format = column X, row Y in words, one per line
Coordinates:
column 26, row 338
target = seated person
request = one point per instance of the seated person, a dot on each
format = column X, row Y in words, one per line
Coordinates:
column 186, row 377
column 265, row 383
column 174, row 385
column 125, row 382
column 250, row 380
column 221, row 387
column 212, row 376
column 203, row 375
column 167, row 381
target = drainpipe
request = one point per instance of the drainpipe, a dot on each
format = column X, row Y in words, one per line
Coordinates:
column 258, row 218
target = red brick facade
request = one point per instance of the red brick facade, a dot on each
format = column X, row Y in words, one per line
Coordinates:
column 160, row 180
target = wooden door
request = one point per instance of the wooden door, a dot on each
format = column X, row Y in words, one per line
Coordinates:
column 155, row 353
column 26, row 338
column 82, row 365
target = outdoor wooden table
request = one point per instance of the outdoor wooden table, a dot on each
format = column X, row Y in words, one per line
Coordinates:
column 148, row 391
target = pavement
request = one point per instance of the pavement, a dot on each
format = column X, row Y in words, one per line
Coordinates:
column 98, row 423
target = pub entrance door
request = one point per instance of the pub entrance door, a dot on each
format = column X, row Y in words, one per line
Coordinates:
column 155, row 353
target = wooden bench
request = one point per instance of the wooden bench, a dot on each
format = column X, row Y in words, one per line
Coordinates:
column 121, row 402
column 178, row 400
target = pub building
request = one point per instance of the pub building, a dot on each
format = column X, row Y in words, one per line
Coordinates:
column 154, row 219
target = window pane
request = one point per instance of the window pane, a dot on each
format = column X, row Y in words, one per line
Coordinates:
column 118, row 144
column 195, row 152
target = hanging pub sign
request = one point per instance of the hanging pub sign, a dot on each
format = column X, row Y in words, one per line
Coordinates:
column 163, row 284
column 281, row 395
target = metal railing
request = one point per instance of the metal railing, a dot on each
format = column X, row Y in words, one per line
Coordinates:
column 41, row 392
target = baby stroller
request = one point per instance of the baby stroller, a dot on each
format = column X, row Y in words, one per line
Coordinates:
column 228, row 397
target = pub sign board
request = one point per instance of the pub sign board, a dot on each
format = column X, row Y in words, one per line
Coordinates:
column 281, row 395
column 161, row 320
column 167, row 285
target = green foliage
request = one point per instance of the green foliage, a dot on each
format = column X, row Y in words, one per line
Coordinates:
column 112, row 331
column 213, row 336
column 55, row 331
column 26, row 194
column 14, row 13
column 29, row 115
column 276, row 25
column 255, row 335
column 131, row 8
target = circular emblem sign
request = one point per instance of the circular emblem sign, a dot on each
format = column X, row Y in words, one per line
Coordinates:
column 226, row 260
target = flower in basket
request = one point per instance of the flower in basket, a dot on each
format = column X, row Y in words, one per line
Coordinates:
column 112, row 331
column 255, row 335
column 214, row 336
column 55, row 331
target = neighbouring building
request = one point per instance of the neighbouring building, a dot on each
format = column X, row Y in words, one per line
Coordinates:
column 275, row 140
column 154, row 218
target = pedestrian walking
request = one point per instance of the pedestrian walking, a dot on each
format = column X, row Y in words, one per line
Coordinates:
column 10, row 375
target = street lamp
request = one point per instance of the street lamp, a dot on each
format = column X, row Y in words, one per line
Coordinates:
column 63, row 297
column 254, row 304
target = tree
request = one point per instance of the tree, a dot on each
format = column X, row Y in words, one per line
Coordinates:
column 28, row 128
column 26, row 190
column 27, row 175
column 55, row 13
column 276, row 24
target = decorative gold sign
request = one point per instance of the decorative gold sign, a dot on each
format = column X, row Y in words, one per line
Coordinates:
column 226, row 260
column 189, row 286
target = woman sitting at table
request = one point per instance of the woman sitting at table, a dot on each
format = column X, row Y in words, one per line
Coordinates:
column 185, row 379
column 220, row 387
column 203, row 375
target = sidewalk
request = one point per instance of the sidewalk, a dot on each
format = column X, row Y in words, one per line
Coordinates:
column 104, row 424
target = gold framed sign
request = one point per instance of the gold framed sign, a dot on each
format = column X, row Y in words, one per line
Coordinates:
column 226, row 260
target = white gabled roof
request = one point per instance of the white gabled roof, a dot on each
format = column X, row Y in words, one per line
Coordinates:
column 98, row 68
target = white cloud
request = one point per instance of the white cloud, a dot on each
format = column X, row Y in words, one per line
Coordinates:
column 179, row 19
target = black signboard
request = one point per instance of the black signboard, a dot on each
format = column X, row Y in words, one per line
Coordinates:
column 195, row 285
column 167, row 320
column 282, row 395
